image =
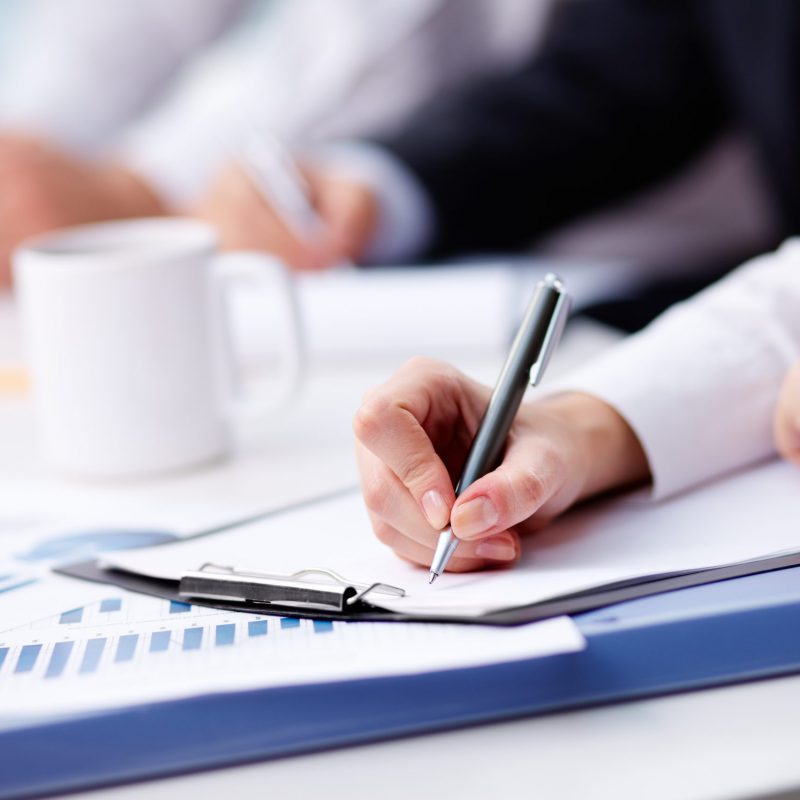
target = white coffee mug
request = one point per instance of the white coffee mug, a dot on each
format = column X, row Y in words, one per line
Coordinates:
column 125, row 330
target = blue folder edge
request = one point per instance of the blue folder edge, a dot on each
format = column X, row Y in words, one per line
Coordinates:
column 732, row 631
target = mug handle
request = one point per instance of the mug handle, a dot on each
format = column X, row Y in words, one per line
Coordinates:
column 271, row 278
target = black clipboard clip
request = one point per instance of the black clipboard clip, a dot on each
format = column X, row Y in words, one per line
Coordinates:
column 298, row 591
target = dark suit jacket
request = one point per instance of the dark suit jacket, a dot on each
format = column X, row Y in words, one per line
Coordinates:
column 622, row 94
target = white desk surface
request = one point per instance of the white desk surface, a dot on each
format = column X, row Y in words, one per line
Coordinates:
column 734, row 742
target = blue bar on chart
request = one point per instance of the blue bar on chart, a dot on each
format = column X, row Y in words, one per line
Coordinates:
column 290, row 622
column 75, row 615
column 59, row 659
column 323, row 626
column 177, row 607
column 91, row 655
column 192, row 638
column 257, row 627
column 225, row 634
column 110, row 604
column 126, row 647
column 159, row 641
column 3, row 656
column 27, row 657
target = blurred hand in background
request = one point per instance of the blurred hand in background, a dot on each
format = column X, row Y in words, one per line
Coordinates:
column 246, row 220
column 159, row 86
column 44, row 188
column 787, row 417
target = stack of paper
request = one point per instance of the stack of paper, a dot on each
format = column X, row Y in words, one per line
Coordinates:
column 747, row 516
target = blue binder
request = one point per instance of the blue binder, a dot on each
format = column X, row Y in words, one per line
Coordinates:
column 741, row 629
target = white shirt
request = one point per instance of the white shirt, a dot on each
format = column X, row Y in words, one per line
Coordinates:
column 171, row 86
column 699, row 386
column 82, row 69
column 313, row 70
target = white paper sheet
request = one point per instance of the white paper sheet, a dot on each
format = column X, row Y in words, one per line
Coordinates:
column 129, row 649
column 410, row 310
column 746, row 516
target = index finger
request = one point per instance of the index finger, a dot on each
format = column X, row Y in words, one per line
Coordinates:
column 390, row 425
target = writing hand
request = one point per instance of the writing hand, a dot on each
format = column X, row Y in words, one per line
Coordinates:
column 412, row 437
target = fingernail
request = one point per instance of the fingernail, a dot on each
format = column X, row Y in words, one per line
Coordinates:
column 497, row 549
column 474, row 518
column 435, row 509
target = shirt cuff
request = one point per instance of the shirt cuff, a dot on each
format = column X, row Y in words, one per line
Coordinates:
column 406, row 220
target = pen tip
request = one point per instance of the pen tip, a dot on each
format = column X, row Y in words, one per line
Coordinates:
column 434, row 576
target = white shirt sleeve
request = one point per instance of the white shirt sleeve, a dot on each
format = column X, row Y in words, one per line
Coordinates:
column 87, row 67
column 260, row 77
column 699, row 386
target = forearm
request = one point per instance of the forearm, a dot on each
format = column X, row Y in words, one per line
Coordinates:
column 89, row 67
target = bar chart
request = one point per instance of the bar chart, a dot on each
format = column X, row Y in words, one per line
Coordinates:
column 123, row 630
column 131, row 649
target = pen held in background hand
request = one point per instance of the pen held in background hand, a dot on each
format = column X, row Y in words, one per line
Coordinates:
column 274, row 173
column 527, row 360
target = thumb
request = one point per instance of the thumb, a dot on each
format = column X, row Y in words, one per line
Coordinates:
column 509, row 495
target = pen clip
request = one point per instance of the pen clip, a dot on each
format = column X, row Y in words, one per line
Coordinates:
column 555, row 328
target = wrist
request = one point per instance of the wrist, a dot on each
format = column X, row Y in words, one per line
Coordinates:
column 611, row 453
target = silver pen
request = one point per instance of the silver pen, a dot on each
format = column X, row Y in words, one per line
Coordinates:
column 533, row 345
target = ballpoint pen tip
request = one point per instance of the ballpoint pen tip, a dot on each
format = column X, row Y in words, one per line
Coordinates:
column 434, row 576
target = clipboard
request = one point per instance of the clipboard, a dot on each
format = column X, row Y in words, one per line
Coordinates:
column 295, row 587
column 297, row 596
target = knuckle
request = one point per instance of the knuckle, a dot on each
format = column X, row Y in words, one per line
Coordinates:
column 428, row 370
column 416, row 472
column 377, row 494
column 421, row 364
column 369, row 419
column 532, row 487
column 524, row 492
column 371, row 394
